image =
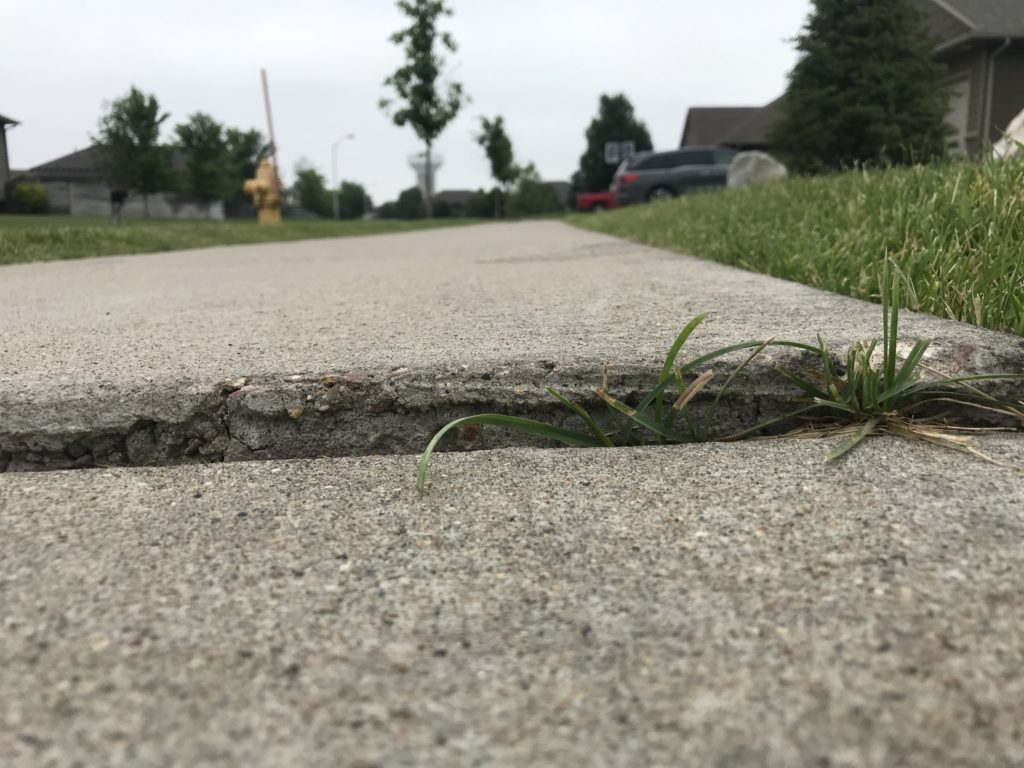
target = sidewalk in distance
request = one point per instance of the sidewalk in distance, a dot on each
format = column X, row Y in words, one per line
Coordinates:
column 369, row 345
column 741, row 605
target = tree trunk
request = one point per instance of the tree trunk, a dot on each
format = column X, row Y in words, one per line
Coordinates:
column 429, row 202
column 145, row 204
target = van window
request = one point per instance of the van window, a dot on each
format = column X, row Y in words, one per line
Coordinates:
column 698, row 157
column 657, row 162
column 724, row 155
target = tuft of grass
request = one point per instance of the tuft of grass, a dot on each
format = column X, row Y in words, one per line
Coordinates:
column 954, row 230
column 861, row 399
column 46, row 238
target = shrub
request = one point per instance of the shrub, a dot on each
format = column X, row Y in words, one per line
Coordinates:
column 29, row 197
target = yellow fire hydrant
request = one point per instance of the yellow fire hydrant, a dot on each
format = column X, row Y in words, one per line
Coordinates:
column 265, row 193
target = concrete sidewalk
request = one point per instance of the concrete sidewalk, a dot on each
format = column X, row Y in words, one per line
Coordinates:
column 715, row 605
column 368, row 345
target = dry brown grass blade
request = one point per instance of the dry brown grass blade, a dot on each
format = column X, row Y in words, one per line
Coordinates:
column 691, row 391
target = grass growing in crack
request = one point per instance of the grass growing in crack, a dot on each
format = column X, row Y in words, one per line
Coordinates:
column 863, row 398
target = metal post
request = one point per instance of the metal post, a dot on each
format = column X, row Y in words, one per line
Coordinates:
column 270, row 127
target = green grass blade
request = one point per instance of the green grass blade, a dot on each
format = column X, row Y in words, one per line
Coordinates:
column 737, row 371
column 713, row 355
column 905, row 379
column 670, row 359
column 582, row 413
column 854, row 440
column 640, row 418
column 516, row 423
column 803, row 384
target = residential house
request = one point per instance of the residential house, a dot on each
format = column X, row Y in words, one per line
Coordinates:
column 5, row 166
column 981, row 44
column 452, row 200
column 76, row 184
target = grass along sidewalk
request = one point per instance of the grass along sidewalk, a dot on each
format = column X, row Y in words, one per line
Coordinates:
column 46, row 238
column 955, row 231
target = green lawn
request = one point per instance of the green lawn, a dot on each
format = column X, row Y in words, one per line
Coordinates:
column 43, row 238
column 956, row 231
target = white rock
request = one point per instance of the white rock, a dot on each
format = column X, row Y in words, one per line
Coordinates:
column 754, row 168
column 1010, row 144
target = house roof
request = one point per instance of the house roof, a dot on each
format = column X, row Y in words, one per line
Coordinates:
column 978, row 18
column 988, row 18
column 85, row 165
column 453, row 196
column 730, row 126
column 7, row 120
column 80, row 165
column 754, row 130
column 706, row 125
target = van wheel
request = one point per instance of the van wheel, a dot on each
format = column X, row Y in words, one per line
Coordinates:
column 660, row 193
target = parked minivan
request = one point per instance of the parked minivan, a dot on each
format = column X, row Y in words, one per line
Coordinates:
column 658, row 175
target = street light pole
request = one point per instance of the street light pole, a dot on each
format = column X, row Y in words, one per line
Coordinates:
column 334, row 170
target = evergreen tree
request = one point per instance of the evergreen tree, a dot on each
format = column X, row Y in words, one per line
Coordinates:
column 865, row 89
column 615, row 121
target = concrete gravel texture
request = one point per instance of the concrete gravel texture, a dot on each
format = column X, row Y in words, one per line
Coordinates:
column 368, row 345
column 712, row 605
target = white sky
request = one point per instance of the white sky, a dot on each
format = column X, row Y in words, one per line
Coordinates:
column 542, row 64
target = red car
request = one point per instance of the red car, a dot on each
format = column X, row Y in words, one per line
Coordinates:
column 595, row 202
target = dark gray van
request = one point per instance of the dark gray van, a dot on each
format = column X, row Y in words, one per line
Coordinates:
column 657, row 175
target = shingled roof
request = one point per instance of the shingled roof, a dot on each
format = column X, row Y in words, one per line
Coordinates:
column 988, row 18
column 706, row 125
column 740, row 127
column 81, row 165
column 86, row 165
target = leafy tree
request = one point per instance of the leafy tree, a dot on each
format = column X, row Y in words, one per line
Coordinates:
column 531, row 196
column 310, row 190
column 245, row 149
column 410, row 204
column 615, row 121
column 864, row 89
column 498, row 146
column 422, row 106
column 353, row 201
column 129, row 134
column 202, row 142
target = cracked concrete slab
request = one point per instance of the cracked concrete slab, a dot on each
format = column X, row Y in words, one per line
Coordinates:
column 710, row 605
column 368, row 345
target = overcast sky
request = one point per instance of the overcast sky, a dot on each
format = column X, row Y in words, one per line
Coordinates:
column 542, row 64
